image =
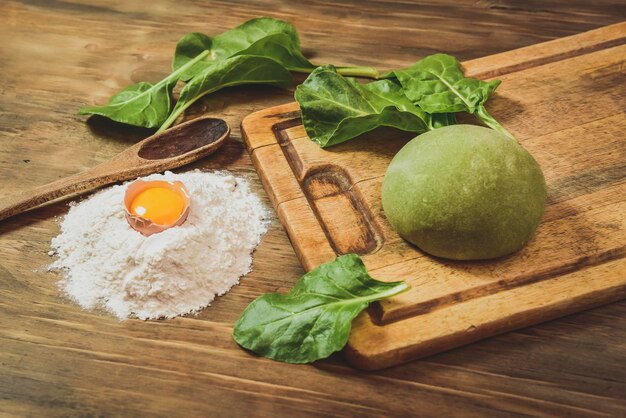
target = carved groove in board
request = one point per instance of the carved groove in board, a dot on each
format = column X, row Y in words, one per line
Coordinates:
column 548, row 52
column 289, row 152
column 381, row 317
column 287, row 118
column 547, row 60
column 346, row 221
column 326, row 189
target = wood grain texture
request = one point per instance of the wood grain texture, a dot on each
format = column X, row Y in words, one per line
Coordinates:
column 57, row 360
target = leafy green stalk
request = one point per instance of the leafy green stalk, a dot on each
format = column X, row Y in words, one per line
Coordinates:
column 264, row 36
column 367, row 72
column 336, row 109
column 242, row 69
column 314, row 319
column 491, row 122
column 422, row 97
column 142, row 104
column 150, row 105
column 437, row 85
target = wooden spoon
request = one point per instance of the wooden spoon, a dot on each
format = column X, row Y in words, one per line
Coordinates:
column 169, row 149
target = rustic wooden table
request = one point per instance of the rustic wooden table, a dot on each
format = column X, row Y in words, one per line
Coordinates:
column 56, row 359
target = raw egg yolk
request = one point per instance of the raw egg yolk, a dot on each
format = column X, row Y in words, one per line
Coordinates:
column 160, row 205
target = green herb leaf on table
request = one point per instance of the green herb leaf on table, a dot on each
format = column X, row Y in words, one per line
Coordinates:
column 266, row 37
column 437, row 85
column 243, row 69
column 336, row 109
column 263, row 36
column 150, row 105
column 314, row 319
column 142, row 104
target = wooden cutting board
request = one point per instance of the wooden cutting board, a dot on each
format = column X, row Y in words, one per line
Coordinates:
column 564, row 101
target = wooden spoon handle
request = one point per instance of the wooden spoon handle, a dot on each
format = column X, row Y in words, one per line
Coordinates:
column 32, row 198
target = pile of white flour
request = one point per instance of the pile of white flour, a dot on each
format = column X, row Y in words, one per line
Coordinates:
column 108, row 264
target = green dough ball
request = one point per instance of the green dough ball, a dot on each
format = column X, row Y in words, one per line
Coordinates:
column 464, row 192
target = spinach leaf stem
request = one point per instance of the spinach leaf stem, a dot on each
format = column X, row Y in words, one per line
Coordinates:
column 367, row 72
column 490, row 121
column 188, row 64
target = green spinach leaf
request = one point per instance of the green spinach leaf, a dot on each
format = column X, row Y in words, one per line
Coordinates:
column 142, row 104
column 314, row 319
column 266, row 37
column 437, row 85
column 335, row 108
column 242, row 69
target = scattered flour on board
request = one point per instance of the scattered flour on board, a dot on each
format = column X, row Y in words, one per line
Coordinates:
column 108, row 264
